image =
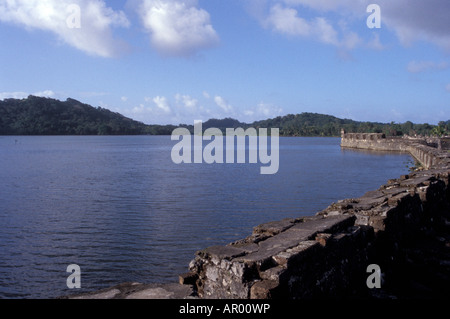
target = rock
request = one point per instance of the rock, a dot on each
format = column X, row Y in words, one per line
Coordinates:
column 141, row 291
column 163, row 291
column 264, row 289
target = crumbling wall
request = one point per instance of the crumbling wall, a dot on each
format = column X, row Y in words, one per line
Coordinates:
column 327, row 255
column 418, row 148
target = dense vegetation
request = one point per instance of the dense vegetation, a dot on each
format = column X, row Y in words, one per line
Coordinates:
column 311, row 124
column 44, row 116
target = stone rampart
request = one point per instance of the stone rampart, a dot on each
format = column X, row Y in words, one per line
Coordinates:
column 418, row 147
column 327, row 255
column 403, row 227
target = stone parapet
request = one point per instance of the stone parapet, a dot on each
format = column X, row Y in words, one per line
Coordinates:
column 327, row 255
column 419, row 148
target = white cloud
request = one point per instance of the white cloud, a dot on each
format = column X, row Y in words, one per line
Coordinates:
column 95, row 21
column 422, row 66
column 186, row 101
column 184, row 109
column 141, row 109
column 177, row 28
column 447, row 87
column 13, row 95
column 415, row 20
column 124, row 99
column 269, row 110
column 24, row 95
column 325, row 31
column 220, row 101
column 327, row 5
column 46, row 93
column 162, row 104
column 411, row 20
column 187, row 109
column 262, row 111
column 286, row 20
column 162, row 110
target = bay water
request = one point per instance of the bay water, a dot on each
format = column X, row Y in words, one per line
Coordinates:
column 118, row 206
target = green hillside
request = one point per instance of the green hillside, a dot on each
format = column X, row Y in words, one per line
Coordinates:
column 45, row 116
column 312, row 124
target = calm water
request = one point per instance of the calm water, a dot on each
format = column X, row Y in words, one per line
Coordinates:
column 120, row 209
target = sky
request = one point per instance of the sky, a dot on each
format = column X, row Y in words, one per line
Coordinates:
column 173, row 61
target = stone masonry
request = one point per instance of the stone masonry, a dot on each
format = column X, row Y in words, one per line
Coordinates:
column 403, row 227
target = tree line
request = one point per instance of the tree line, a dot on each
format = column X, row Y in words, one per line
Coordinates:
column 45, row 116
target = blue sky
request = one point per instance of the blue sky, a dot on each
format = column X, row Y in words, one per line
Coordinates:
column 173, row 61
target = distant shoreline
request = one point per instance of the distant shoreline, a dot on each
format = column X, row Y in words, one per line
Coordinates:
column 37, row 116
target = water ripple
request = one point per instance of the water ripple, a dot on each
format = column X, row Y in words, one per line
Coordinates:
column 119, row 208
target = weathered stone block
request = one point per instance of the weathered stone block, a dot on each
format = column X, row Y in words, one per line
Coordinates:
column 362, row 219
column 221, row 252
column 275, row 227
column 329, row 224
column 397, row 198
column 322, row 238
column 273, row 273
column 265, row 289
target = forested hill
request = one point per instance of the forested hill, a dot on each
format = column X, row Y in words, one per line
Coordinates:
column 312, row 124
column 45, row 116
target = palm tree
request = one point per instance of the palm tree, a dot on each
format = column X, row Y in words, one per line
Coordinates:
column 438, row 131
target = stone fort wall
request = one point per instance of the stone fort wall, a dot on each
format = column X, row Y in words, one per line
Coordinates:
column 327, row 255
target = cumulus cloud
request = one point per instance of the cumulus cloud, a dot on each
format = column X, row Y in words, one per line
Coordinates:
column 327, row 5
column 24, row 95
column 220, row 101
column 411, row 20
column 186, row 101
column 287, row 20
column 141, row 109
column 83, row 24
column 184, row 108
column 152, row 109
column 262, row 111
column 415, row 20
column 162, row 104
column 177, row 28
